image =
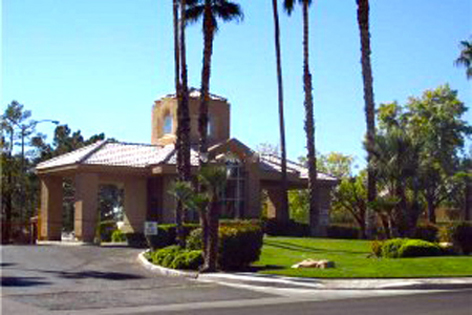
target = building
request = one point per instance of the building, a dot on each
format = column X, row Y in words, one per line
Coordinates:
column 146, row 171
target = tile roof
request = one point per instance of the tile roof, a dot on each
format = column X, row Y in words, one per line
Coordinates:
column 195, row 93
column 113, row 154
column 270, row 162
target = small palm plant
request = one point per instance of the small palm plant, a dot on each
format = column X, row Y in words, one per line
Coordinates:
column 213, row 180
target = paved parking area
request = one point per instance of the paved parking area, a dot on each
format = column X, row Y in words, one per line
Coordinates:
column 41, row 279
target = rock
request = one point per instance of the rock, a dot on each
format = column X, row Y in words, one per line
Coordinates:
column 311, row 263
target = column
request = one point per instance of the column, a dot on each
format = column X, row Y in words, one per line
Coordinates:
column 253, row 189
column 275, row 208
column 51, row 208
column 135, row 204
column 86, row 206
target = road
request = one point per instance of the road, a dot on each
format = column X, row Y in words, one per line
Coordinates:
column 107, row 280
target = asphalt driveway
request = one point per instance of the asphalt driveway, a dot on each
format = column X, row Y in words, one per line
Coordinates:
column 54, row 278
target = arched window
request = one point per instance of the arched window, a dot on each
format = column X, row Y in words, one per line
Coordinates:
column 167, row 128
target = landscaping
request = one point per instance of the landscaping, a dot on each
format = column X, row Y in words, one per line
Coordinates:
column 353, row 259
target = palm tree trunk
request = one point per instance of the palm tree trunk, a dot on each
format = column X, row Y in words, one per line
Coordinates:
column 310, row 129
column 284, row 216
column 185, row 118
column 178, row 144
column 211, row 254
column 205, row 87
column 363, row 22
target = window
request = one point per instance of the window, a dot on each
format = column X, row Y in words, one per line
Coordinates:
column 210, row 127
column 233, row 195
column 167, row 128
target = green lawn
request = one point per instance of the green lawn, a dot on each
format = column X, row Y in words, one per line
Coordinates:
column 352, row 261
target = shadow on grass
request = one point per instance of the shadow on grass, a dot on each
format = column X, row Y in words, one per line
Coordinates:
column 307, row 249
column 261, row 268
column 22, row 281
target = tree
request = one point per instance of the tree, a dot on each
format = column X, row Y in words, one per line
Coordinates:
column 183, row 120
column 336, row 164
column 280, row 91
column 363, row 23
column 465, row 57
column 309, row 119
column 351, row 196
column 434, row 121
column 210, row 11
column 213, row 178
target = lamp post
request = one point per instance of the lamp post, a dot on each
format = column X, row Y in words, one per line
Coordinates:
column 26, row 131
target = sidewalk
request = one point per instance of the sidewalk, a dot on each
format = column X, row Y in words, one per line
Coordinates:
column 273, row 281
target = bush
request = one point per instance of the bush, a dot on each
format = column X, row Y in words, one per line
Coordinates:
column 462, row 237
column 290, row 228
column 427, row 232
column 105, row 230
column 459, row 234
column 239, row 244
column 166, row 235
column 390, row 248
column 177, row 258
column 343, row 232
column 404, row 247
column 418, row 248
column 118, row 236
column 376, row 247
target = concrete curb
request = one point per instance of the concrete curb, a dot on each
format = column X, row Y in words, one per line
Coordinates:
column 164, row 271
column 281, row 282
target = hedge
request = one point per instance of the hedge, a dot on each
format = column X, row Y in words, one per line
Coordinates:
column 239, row 244
column 427, row 232
column 404, row 247
column 343, row 232
column 176, row 258
column 289, row 228
column 459, row 234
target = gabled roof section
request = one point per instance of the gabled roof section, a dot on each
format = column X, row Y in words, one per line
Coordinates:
column 270, row 162
column 112, row 154
column 232, row 145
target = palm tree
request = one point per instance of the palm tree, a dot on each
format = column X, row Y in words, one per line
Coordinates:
column 363, row 22
column 465, row 58
column 213, row 179
column 284, row 215
column 210, row 11
column 309, row 119
column 183, row 126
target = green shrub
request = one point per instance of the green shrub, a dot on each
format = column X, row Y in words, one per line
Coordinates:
column 376, row 247
column 427, row 232
column 176, row 258
column 118, row 236
column 159, row 255
column 194, row 259
column 462, row 237
column 418, row 248
column 105, row 230
column 290, row 228
column 239, row 244
column 343, row 231
column 390, row 248
column 404, row 247
column 166, row 235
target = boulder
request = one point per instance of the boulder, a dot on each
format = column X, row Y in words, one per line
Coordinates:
column 311, row 263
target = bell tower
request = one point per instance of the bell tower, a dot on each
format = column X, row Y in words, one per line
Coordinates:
column 164, row 119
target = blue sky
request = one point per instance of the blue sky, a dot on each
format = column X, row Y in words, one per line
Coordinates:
column 98, row 65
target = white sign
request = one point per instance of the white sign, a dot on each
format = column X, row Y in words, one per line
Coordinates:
column 150, row 228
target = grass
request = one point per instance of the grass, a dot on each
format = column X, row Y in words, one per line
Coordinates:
column 352, row 260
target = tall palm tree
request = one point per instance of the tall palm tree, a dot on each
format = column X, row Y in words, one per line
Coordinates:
column 465, row 58
column 363, row 23
column 183, row 121
column 309, row 117
column 284, row 216
column 210, row 11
